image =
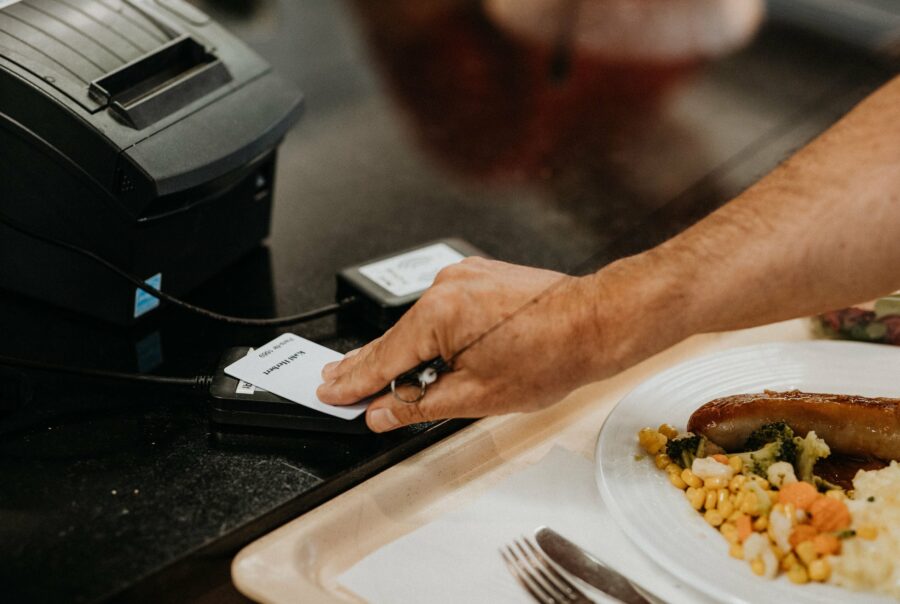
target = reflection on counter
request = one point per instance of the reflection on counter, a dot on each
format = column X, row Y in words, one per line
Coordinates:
column 531, row 90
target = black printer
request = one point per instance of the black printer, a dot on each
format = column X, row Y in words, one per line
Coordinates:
column 139, row 130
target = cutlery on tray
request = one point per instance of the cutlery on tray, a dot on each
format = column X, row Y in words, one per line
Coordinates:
column 532, row 567
column 545, row 584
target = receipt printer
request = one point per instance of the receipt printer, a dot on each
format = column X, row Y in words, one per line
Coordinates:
column 139, row 130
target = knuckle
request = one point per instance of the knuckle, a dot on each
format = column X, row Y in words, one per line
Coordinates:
column 464, row 269
column 377, row 367
column 439, row 303
column 373, row 367
column 448, row 273
column 474, row 261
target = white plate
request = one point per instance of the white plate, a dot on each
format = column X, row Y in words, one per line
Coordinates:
column 658, row 518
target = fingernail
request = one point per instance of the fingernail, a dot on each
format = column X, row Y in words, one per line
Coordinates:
column 329, row 369
column 382, row 420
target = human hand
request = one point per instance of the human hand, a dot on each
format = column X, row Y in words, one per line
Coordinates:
column 551, row 346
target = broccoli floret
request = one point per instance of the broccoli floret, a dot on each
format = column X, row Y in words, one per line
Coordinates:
column 809, row 450
column 684, row 449
column 776, row 431
column 769, row 444
column 758, row 461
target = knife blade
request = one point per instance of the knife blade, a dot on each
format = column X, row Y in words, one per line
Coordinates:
column 581, row 564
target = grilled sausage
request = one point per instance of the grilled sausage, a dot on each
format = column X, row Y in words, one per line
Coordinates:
column 851, row 425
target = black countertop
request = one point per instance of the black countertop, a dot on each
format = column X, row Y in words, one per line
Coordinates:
column 420, row 124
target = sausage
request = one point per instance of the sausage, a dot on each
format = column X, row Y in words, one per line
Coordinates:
column 851, row 425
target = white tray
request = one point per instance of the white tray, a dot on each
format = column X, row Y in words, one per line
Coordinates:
column 300, row 561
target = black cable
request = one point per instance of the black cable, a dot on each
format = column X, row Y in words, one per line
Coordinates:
column 199, row 383
column 248, row 322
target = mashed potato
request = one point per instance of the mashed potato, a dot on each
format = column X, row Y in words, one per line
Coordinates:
column 873, row 564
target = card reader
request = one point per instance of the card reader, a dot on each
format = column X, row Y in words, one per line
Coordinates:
column 236, row 403
column 385, row 288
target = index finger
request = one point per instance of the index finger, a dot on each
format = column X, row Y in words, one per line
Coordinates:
column 403, row 347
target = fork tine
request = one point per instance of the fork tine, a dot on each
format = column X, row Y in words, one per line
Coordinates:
column 566, row 586
column 539, row 575
column 524, row 580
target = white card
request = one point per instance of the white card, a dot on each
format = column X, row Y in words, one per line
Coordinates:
column 413, row 271
column 291, row 367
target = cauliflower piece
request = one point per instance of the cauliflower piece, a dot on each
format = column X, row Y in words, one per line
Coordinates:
column 780, row 526
column 707, row 467
column 757, row 546
column 781, row 473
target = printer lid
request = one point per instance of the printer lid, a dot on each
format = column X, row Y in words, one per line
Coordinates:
column 121, row 55
column 146, row 98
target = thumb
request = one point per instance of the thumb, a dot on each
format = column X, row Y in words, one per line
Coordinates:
column 450, row 397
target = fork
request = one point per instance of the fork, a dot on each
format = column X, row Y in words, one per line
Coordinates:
column 535, row 573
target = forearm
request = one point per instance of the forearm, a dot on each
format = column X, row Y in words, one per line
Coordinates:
column 820, row 232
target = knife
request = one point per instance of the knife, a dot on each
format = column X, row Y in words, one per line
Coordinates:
column 581, row 564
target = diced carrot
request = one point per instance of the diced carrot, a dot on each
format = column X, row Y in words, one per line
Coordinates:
column 801, row 494
column 744, row 527
column 803, row 532
column 829, row 514
column 827, row 544
column 721, row 458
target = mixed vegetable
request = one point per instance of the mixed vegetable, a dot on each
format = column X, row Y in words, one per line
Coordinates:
column 766, row 501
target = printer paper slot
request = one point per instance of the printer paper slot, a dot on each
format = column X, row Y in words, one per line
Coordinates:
column 158, row 84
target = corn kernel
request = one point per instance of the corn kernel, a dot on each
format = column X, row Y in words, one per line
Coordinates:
column 789, row 561
column 713, row 517
column 867, row 531
column 729, row 531
column 819, row 570
column 736, row 515
column 736, row 551
column 673, row 468
column 662, row 460
column 762, row 482
column 667, row 431
column 711, row 497
column 736, row 463
column 836, row 494
column 798, row 575
column 721, row 497
column 726, row 508
column 696, row 497
column 736, row 483
column 717, row 482
column 761, row 523
column 651, row 440
column 758, row 567
column 676, row 481
column 806, row 551
column 691, row 479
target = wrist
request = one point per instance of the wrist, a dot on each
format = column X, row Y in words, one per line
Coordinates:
column 639, row 306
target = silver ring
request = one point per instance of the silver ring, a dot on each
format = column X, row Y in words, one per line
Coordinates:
column 422, row 388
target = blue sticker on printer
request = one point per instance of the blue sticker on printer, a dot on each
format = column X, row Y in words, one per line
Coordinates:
column 144, row 302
